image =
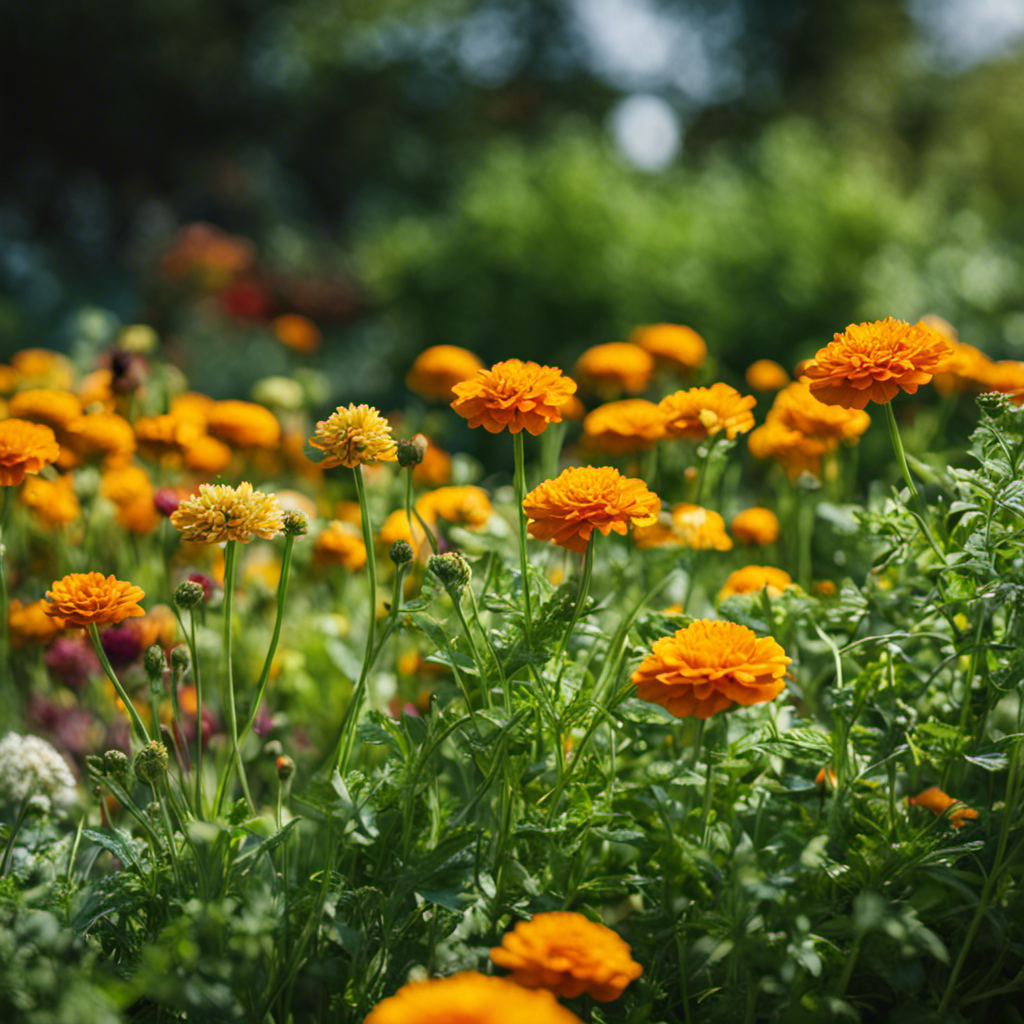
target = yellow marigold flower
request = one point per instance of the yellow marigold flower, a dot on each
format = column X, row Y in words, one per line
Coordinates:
column 53, row 501
column 796, row 407
column 709, row 665
column 340, row 544
column 90, row 598
column 766, row 375
column 752, row 578
column 46, row 405
column 435, row 470
column 206, row 454
column 436, row 370
column 396, row 527
column 469, row 998
column 41, row 368
column 24, row 448
column 873, row 362
column 938, row 803
column 569, row 508
column 8, row 379
column 567, row 954
column 631, row 425
column 243, row 424
column 466, row 506
column 572, row 409
column 192, row 407
column 794, row 451
column 673, row 345
column 967, row 369
column 102, row 432
column 661, row 533
column 138, row 516
column 297, row 332
column 220, row 512
column 615, row 367
column 166, row 434
column 123, row 484
column 513, row 396
column 700, row 528
column 755, row 526
column 30, row 624
column 700, row 413
column 354, row 435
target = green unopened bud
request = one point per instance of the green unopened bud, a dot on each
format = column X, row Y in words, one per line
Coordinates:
column 994, row 403
column 153, row 809
column 451, row 569
column 295, row 523
column 116, row 763
column 179, row 658
column 401, row 552
column 411, row 450
column 155, row 663
column 150, row 763
column 188, row 594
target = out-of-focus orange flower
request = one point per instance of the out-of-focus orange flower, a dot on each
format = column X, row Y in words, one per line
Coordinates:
column 513, row 396
column 158, row 626
column 766, row 375
column 297, row 332
column 752, row 578
column 707, row 666
column 24, row 448
column 340, row 544
column 219, row 512
column 567, row 954
column 661, row 533
column 205, row 454
column 96, row 389
column 674, row 345
column 436, row 370
column 30, row 623
column 938, row 803
column 243, row 424
column 435, row 470
column 796, row 407
column 630, row 425
column 192, row 407
column 569, row 508
column 755, row 526
column 104, row 433
column 348, row 512
column 296, row 501
column 794, row 451
column 873, row 362
column 52, row 501
column 966, row 369
column 354, row 435
column 572, row 409
column 466, row 506
column 90, row 598
column 8, row 379
column 825, row 780
column 469, row 998
column 41, row 368
column 50, row 406
column 204, row 256
column 825, row 588
column 124, row 484
column 700, row 528
column 700, row 413
column 167, row 434
column 1007, row 376
column 615, row 368
column 396, row 527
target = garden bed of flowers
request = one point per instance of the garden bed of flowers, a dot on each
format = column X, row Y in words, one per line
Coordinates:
column 700, row 703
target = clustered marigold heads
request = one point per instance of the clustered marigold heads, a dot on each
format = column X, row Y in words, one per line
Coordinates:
column 354, row 435
column 469, row 998
column 700, row 413
column 568, row 954
column 514, row 396
column 618, row 428
column 104, row 433
column 755, row 525
column 90, row 598
column 614, row 368
column 436, row 370
column 49, row 406
column 675, row 346
column 709, row 665
column 24, row 448
column 569, row 508
column 873, row 362
column 52, row 501
column 938, row 802
column 795, row 452
column 753, row 578
column 220, row 512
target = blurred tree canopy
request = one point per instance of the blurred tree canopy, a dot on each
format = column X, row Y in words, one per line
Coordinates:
column 459, row 162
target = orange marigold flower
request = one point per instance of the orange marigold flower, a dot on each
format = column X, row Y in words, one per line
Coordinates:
column 514, row 395
column 220, row 512
column 707, row 666
column 755, row 526
column 569, row 508
column 41, row 368
column 435, row 470
column 167, row 434
column 205, row 454
column 24, row 448
column 466, row 506
column 794, row 451
column 90, row 598
column 796, row 407
column 661, row 533
column 396, row 527
column 567, row 954
column 572, row 409
column 102, row 432
column 967, row 369
column 938, row 803
column 297, row 332
column 873, row 362
column 700, row 528
column 615, row 367
column 30, row 623
column 752, row 578
column 436, row 370
column 96, row 389
column 1007, row 376
column 53, row 501
column 672, row 345
column 192, row 407
column 138, row 516
column 125, row 484
column 243, row 424
column 340, row 544
column 8, row 379
column 55, row 408
column 825, row 588
column 354, row 435
column 631, row 425
column 766, row 375
column 700, row 413
column 469, row 998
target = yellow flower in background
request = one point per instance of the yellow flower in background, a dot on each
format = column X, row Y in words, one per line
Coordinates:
column 41, row 368
column 49, row 406
column 700, row 528
column 243, row 424
column 514, row 396
column 24, row 448
column 796, row 407
column 673, row 345
column 465, row 506
column 90, row 598
column 766, row 375
column 794, row 451
column 755, row 526
column 124, row 484
column 753, row 578
column 614, row 368
column 435, row 470
column 205, row 454
column 30, row 623
column 220, row 512
column 354, row 435
column 103, row 433
column 167, row 434
column 436, row 370
column 700, row 413
column 340, row 544
column 53, row 502
column 192, row 407
column 618, row 428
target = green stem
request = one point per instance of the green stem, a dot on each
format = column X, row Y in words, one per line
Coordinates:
column 411, row 510
column 136, row 720
column 581, row 594
column 4, row 625
column 199, row 711
column 18, row 822
column 520, row 486
column 702, row 472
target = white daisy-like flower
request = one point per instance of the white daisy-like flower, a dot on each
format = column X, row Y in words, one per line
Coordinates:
column 31, row 768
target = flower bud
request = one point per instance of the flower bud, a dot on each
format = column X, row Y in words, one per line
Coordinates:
column 150, row 763
column 155, row 663
column 189, row 594
column 285, row 768
column 179, row 657
column 115, row 762
column 295, row 523
column 411, row 450
column 166, row 500
column 401, row 552
column 451, row 569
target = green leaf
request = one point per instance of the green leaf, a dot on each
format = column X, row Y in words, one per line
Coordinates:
column 116, row 842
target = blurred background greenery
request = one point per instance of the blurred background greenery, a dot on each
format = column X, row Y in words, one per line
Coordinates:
column 520, row 177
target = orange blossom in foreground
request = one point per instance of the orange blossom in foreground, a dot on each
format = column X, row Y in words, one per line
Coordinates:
column 514, row 395
column 938, row 802
column 354, row 435
column 90, row 598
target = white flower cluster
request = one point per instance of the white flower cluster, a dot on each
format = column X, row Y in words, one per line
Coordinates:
column 30, row 767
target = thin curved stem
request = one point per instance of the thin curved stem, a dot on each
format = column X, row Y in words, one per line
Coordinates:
column 581, row 594
column 520, row 487
column 136, row 719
